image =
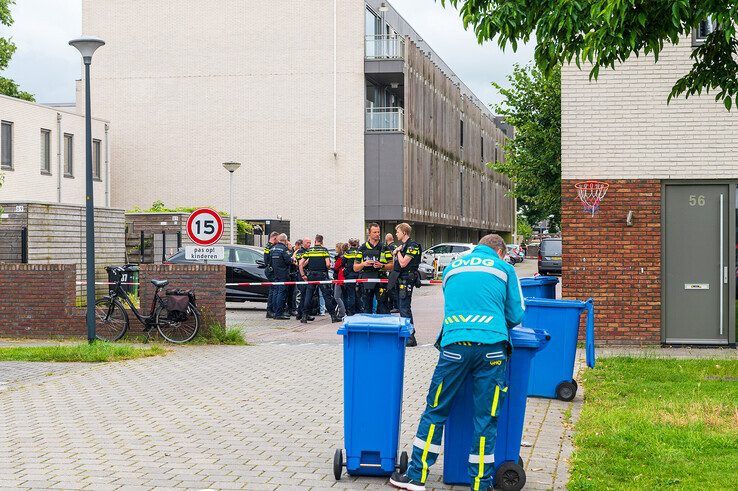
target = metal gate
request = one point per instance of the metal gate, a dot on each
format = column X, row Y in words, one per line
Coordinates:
column 14, row 246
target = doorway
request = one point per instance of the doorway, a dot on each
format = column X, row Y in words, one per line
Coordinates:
column 698, row 245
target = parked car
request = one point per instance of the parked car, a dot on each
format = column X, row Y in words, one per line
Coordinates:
column 549, row 257
column 244, row 264
column 515, row 253
column 446, row 253
column 425, row 271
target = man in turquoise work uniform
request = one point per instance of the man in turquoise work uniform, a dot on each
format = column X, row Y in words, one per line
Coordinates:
column 483, row 301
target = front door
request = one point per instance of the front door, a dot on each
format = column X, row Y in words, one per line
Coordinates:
column 696, row 260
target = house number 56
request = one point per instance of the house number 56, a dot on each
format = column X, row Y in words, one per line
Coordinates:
column 696, row 200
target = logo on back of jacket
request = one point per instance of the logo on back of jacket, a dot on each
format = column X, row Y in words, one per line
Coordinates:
column 475, row 261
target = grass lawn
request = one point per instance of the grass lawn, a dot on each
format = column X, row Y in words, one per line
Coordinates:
column 98, row 352
column 655, row 424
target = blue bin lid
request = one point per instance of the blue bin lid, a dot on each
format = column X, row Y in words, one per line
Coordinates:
column 377, row 323
column 548, row 302
column 539, row 280
column 524, row 337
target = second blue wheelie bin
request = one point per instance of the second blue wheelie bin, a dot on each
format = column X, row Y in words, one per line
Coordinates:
column 509, row 472
column 552, row 369
column 373, row 370
column 539, row 286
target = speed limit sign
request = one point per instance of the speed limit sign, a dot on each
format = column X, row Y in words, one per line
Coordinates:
column 204, row 227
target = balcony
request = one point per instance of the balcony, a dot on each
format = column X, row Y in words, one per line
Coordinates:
column 386, row 119
column 384, row 47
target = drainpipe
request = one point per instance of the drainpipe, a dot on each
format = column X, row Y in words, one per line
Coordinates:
column 58, row 158
column 107, row 167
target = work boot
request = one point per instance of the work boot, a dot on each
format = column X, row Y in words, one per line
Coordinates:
column 411, row 341
column 335, row 318
column 305, row 318
column 283, row 317
column 403, row 482
column 270, row 315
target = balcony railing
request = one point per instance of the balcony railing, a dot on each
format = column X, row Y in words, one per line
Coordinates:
column 384, row 47
column 384, row 118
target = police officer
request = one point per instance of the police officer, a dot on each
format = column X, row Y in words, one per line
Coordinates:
column 293, row 291
column 406, row 262
column 314, row 266
column 349, row 258
column 299, row 252
column 374, row 261
column 281, row 260
column 392, row 303
column 269, row 272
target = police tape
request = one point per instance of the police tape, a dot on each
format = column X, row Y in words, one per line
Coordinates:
column 325, row 282
column 288, row 283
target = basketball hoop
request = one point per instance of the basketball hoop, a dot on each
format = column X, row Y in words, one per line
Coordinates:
column 591, row 194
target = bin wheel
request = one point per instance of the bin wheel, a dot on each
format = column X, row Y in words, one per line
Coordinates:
column 403, row 463
column 510, row 477
column 576, row 385
column 338, row 464
column 521, row 462
column 566, row 391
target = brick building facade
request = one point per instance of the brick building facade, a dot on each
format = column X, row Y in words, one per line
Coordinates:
column 668, row 276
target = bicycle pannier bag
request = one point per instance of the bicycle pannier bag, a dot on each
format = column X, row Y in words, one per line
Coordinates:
column 177, row 303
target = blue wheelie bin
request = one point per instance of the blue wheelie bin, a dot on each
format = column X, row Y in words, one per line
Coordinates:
column 552, row 369
column 509, row 472
column 539, row 287
column 373, row 370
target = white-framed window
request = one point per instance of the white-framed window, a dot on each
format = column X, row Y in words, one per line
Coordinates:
column 96, row 159
column 45, row 151
column 703, row 29
column 68, row 155
column 6, row 145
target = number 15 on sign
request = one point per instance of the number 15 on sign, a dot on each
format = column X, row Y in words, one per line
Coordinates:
column 205, row 226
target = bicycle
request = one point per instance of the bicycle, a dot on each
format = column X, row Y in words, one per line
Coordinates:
column 112, row 318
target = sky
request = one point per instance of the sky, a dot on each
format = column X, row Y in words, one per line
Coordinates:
column 45, row 65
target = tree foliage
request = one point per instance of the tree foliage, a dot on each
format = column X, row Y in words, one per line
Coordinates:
column 606, row 32
column 532, row 105
column 7, row 49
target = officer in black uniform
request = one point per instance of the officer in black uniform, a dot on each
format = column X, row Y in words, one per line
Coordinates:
column 406, row 262
column 374, row 261
column 281, row 260
column 392, row 305
column 314, row 266
column 349, row 258
column 293, row 291
column 269, row 272
column 304, row 246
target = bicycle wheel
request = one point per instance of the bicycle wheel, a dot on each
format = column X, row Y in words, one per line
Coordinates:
column 111, row 319
column 178, row 331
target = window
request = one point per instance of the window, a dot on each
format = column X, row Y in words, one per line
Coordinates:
column 461, row 193
column 481, row 146
column 45, row 151
column 459, row 249
column 6, row 135
column 96, row 159
column 68, row 155
column 247, row 256
column 704, row 29
column 441, row 249
column 461, row 132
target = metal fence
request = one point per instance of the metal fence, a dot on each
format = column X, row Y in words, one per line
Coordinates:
column 385, row 119
column 384, row 47
column 14, row 246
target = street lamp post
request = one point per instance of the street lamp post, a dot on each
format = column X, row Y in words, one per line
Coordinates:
column 231, row 167
column 87, row 46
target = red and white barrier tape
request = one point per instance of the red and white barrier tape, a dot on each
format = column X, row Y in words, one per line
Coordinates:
column 291, row 283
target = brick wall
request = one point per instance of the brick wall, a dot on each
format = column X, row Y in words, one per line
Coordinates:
column 38, row 300
column 619, row 266
column 208, row 281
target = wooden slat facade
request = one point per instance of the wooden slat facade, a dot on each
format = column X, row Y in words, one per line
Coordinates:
column 445, row 183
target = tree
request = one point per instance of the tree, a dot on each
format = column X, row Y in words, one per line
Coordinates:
column 606, row 32
column 7, row 48
column 533, row 158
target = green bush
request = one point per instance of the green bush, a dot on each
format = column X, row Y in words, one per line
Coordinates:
column 217, row 333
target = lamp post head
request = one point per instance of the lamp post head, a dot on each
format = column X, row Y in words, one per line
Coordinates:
column 87, row 46
column 383, row 7
column 231, row 166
